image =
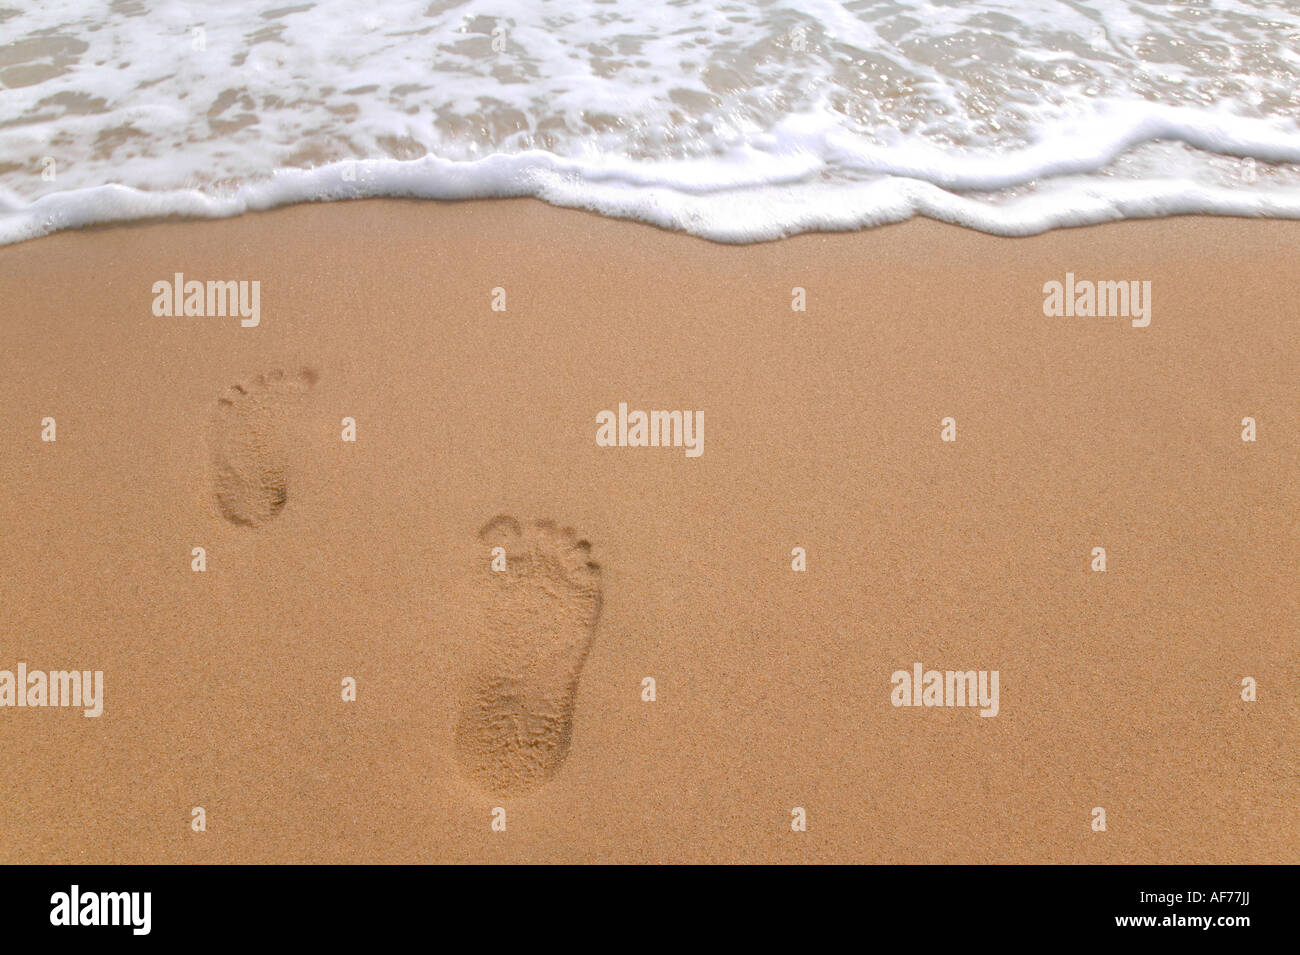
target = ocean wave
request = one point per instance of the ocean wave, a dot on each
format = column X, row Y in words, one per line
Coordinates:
column 741, row 122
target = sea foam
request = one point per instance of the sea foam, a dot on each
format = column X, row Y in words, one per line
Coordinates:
column 739, row 122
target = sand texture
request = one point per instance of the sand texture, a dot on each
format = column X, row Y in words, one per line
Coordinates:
column 500, row 587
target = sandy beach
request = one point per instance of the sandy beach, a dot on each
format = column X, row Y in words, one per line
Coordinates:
column 522, row 688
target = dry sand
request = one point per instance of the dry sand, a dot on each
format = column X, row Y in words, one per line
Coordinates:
column 328, row 559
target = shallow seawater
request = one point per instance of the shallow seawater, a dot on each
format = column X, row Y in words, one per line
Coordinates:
column 739, row 121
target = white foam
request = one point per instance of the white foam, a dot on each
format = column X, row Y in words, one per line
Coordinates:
column 737, row 123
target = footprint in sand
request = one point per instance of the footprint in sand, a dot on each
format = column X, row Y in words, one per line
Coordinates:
column 248, row 439
column 539, row 622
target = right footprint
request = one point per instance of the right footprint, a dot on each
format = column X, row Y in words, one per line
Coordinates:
column 540, row 616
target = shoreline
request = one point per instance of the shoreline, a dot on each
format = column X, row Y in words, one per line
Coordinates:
column 1102, row 221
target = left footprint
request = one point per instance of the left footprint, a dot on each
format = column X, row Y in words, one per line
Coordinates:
column 248, row 439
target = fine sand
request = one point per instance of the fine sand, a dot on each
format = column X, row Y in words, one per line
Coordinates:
column 522, row 688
